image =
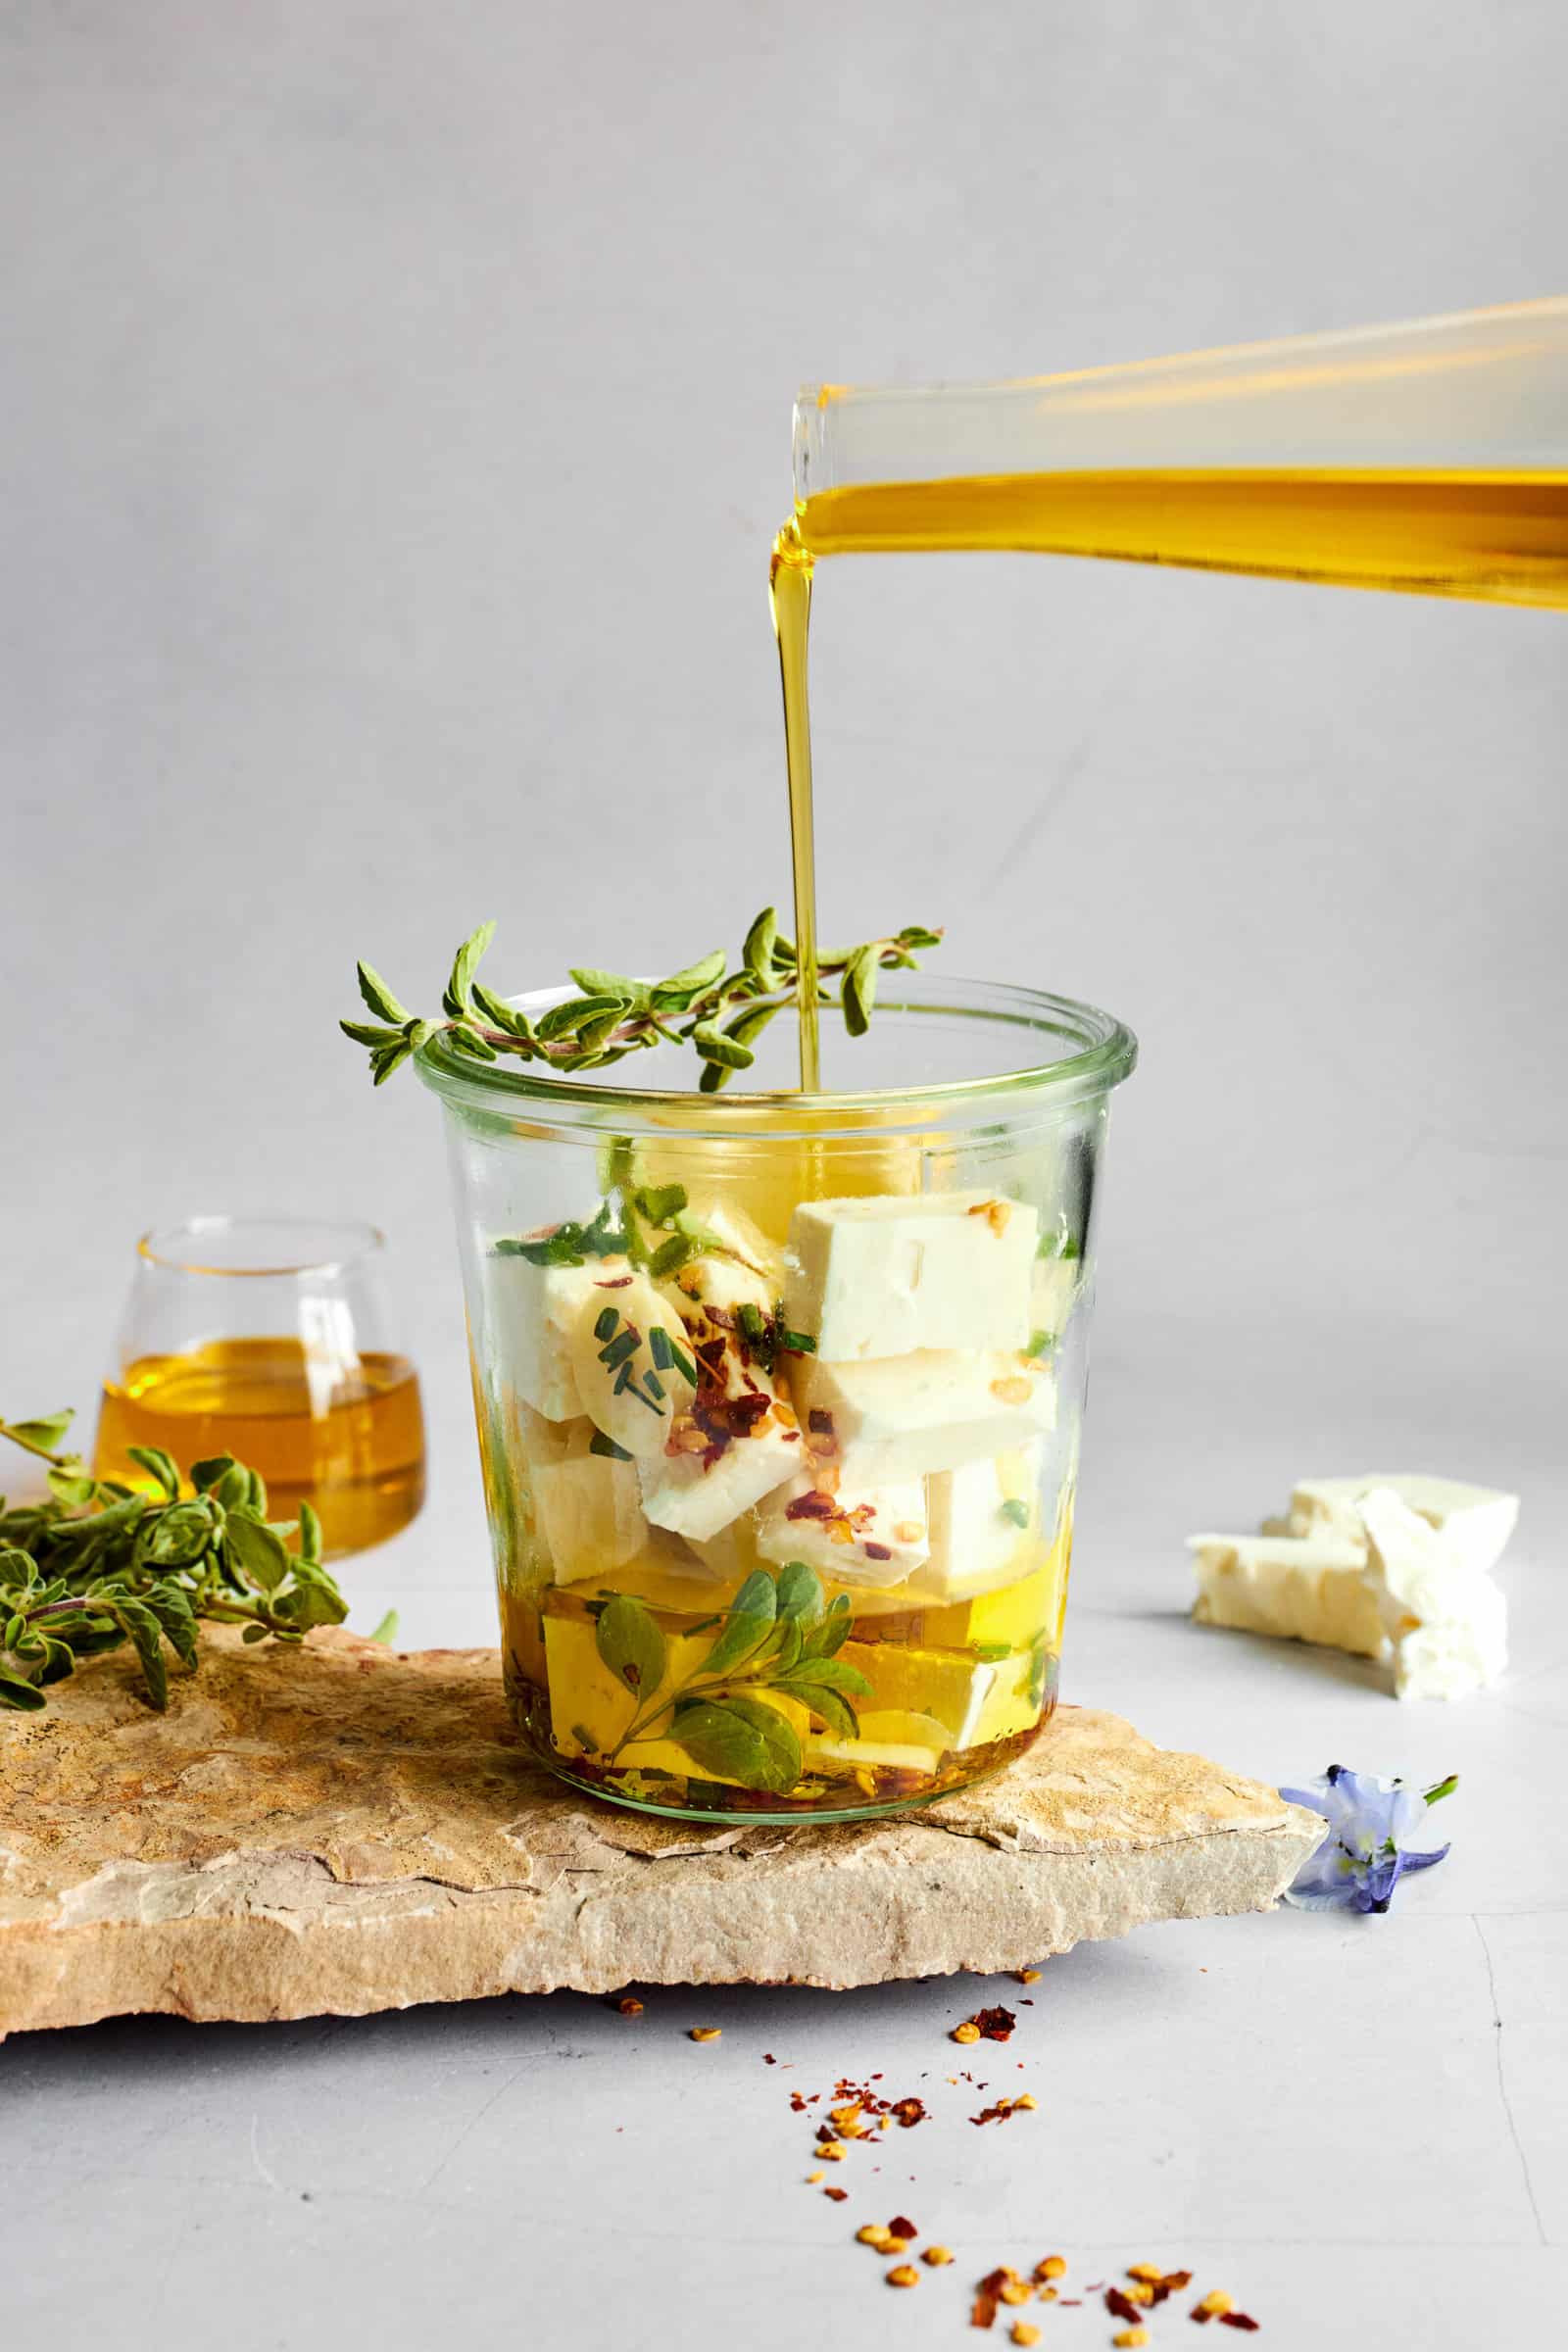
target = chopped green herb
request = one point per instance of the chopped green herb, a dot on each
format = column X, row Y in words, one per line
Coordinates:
column 1016, row 1510
column 620, row 1351
column 1040, row 1342
column 660, row 1348
column 600, row 1443
column 605, row 1322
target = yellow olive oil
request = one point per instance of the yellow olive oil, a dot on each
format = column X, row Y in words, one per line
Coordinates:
column 349, row 1439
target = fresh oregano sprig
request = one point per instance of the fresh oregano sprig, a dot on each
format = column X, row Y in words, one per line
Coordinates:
column 777, row 1637
column 95, row 1564
column 718, row 1009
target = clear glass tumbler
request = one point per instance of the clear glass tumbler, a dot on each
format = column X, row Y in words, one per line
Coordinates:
column 271, row 1339
column 778, row 1399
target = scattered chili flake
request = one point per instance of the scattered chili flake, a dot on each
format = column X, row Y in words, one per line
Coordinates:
column 902, row 2274
column 1014, row 2292
column 1130, row 2338
column 1000, row 2113
column 814, row 2179
column 1027, row 1976
column 1023, row 2333
column 1151, row 2272
column 832, row 2151
column 768, row 2058
column 629, row 2005
column 819, row 1423
column 995, row 2024
column 1176, row 2280
column 968, row 2031
column 1238, row 2318
column 1054, row 2266
column 704, row 2033
column 983, row 2309
column 908, row 2113
column 877, row 1551
column 873, row 2233
column 1215, row 2305
column 838, row 2195
column 1120, row 2305
column 622, row 1282
column 900, row 2227
column 937, row 2256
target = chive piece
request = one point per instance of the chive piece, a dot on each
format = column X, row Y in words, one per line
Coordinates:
column 683, row 1365
column 658, row 1347
column 1040, row 1341
column 606, row 1321
column 752, row 1323
column 601, row 1445
column 1016, row 1510
column 797, row 1343
column 653, row 1386
column 615, row 1354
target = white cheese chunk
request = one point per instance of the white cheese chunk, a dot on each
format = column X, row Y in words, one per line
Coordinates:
column 899, row 1416
column 531, row 1312
column 1456, row 1655
column 1054, row 1288
column 629, row 1354
column 695, row 1497
column 1477, row 1521
column 587, row 1507
column 876, row 1536
column 883, row 1277
column 736, row 1266
column 1305, row 1587
column 1448, row 1624
column 985, row 1526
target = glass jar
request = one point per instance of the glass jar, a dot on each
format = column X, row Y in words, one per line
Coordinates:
column 780, row 1398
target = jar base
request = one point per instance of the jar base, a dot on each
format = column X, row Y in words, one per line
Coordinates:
column 720, row 1803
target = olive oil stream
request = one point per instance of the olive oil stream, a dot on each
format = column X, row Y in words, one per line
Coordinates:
column 1497, row 536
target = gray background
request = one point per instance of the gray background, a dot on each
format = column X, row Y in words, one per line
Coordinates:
column 394, row 413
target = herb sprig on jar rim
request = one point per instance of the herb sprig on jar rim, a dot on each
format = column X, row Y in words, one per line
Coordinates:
column 719, row 1008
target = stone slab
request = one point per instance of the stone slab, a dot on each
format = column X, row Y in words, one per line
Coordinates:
column 345, row 1829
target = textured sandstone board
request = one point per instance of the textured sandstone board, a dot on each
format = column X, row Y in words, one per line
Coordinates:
column 344, row 1830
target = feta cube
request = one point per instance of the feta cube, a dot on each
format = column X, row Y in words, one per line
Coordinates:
column 1448, row 1622
column 985, row 1526
column 1054, row 1288
column 872, row 1536
column 1478, row 1521
column 884, row 1276
column 1304, row 1587
column 898, row 1417
column 737, row 1265
column 587, row 1507
column 531, row 1314
column 697, row 1492
column 631, row 1362
column 1454, row 1656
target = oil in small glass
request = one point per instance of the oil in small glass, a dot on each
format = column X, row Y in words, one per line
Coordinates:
column 347, row 1436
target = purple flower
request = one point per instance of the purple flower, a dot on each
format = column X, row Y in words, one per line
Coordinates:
column 1363, row 1855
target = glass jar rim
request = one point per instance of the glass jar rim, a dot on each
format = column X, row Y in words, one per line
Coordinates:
column 323, row 1245
column 1106, row 1053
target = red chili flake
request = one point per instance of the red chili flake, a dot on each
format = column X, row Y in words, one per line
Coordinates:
column 1122, row 2307
column 878, row 1551
column 768, row 2058
column 622, row 1282
column 901, row 2227
column 983, row 2309
column 1070, row 2303
column 838, row 2195
column 819, row 1423
column 995, row 2024
column 1238, row 2318
column 815, row 1505
column 1158, row 2291
column 1174, row 2281
column 910, row 2112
